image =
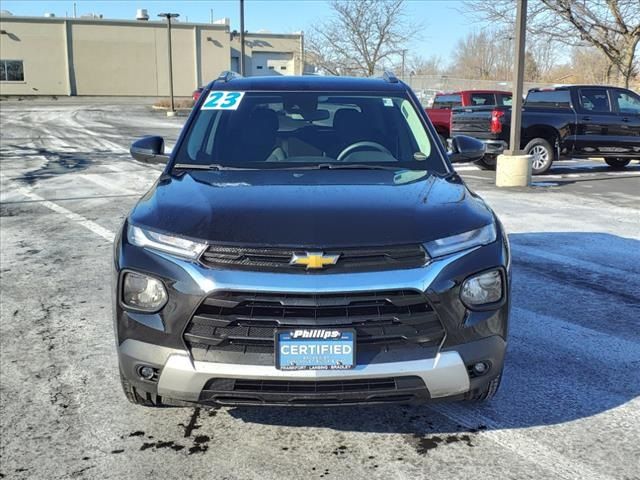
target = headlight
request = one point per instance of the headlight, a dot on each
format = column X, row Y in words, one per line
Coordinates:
column 143, row 292
column 482, row 289
column 462, row 241
column 165, row 243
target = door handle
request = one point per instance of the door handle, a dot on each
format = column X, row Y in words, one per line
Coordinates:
column 586, row 119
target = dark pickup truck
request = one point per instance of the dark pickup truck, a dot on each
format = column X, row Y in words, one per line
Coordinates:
column 579, row 121
column 440, row 111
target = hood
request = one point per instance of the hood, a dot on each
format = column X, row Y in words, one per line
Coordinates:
column 311, row 208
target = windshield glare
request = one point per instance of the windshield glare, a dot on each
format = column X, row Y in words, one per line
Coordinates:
column 289, row 129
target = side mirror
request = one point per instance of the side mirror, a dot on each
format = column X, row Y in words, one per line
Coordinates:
column 466, row 149
column 149, row 150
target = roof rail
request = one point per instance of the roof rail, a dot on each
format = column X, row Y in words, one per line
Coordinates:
column 228, row 75
column 389, row 77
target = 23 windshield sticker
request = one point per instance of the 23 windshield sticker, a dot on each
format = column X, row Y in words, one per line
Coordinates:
column 222, row 101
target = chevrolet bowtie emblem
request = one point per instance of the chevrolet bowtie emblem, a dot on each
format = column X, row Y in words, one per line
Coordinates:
column 314, row 260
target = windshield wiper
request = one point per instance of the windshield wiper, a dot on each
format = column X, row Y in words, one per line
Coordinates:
column 354, row 166
column 319, row 166
column 211, row 166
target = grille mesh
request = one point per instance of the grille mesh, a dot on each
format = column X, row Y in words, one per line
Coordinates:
column 247, row 322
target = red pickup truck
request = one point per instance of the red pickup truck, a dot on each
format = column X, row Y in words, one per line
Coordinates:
column 440, row 112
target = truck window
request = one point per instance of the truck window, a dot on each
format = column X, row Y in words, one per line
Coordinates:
column 549, row 99
column 447, row 101
column 480, row 99
column 595, row 100
column 626, row 102
column 504, row 100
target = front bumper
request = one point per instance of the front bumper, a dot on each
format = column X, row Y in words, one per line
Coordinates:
column 416, row 373
column 180, row 378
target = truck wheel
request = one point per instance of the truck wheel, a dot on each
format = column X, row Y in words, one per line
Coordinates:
column 542, row 152
column 135, row 397
column 488, row 162
column 617, row 162
column 486, row 393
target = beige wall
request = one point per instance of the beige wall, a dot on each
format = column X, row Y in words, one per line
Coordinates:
column 108, row 57
column 41, row 47
column 214, row 53
column 183, row 44
column 133, row 60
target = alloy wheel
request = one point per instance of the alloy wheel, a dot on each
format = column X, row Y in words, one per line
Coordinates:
column 540, row 156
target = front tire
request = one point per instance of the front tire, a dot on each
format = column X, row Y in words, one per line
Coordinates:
column 542, row 153
column 617, row 163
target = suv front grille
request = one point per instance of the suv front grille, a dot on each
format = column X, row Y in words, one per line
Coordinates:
column 350, row 259
column 247, row 322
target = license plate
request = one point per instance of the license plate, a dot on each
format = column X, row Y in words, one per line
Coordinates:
column 315, row 349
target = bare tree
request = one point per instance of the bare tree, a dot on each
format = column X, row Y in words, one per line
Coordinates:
column 531, row 69
column 419, row 65
column 359, row 36
column 598, row 71
column 484, row 55
column 488, row 55
column 544, row 54
column 475, row 56
column 611, row 26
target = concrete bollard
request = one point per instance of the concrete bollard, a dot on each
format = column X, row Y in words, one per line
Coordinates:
column 513, row 170
column 171, row 113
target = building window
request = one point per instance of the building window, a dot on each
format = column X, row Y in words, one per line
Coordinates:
column 11, row 71
column 283, row 68
column 259, row 67
column 271, row 67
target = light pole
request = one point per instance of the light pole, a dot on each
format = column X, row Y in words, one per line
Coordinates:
column 516, row 106
column 169, row 16
column 242, row 37
column 513, row 168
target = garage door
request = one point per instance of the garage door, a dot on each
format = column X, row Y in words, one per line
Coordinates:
column 272, row 63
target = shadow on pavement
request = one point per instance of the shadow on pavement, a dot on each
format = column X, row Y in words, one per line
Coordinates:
column 574, row 346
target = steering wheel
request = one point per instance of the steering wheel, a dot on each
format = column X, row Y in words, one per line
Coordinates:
column 355, row 146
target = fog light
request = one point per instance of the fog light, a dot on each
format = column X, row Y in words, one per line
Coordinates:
column 146, row 372
column 480, row 368
column 482, row 289
column 143, row 292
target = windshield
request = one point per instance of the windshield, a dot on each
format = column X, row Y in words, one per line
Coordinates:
column 296, row 129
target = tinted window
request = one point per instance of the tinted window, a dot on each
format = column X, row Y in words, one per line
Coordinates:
column 447, row 101
column 11, row 71
column 595, row 100
column 505, row 100
column 284, row 129
column 549, row 99
column 479, row 99
column 626, row 102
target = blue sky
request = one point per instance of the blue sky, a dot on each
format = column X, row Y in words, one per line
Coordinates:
column 442, row 22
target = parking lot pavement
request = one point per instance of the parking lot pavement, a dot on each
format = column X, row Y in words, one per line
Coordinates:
column 568, row 407
column 582, row 178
